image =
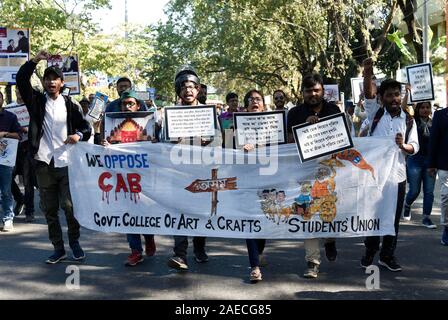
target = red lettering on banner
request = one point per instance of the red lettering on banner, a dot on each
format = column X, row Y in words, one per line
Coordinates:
column 130, row 184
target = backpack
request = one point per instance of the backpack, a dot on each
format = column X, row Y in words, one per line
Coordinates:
column 380, row 113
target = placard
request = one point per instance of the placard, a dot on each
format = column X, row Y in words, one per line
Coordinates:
column 14, row 52
column 98, row 106
column 21, row 112
column 331, row 92
column 70, row 68
column 142, row 95
column 124, row 127
column 190, row 121
column 420, row 79
column 260, row 128
column 329, row 135
column 8, row 151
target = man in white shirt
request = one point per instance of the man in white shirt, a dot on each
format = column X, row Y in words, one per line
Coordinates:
column 55, row 120
column 389, row 120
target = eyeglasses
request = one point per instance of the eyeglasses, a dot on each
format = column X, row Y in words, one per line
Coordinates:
column 255, row 99
column 185, row 88
column 128, row 104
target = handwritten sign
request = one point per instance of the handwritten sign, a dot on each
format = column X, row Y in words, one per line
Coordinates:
column 22, row 114
column 420, row 78
column 190, row 121
column 260, row 128
column 330, row 135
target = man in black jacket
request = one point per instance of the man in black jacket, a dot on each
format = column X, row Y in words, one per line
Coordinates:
column 314, row 108
column 54, row 122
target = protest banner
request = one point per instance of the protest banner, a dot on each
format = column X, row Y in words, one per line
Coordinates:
column 420, row 78
column 8, row 151
column 190, row 121
column 331, row 92
column 154, row 188
column 14, row 52
column 70, row 68
column 125, row 127
column 260, row 128
column 98, row 106
column 328, row 136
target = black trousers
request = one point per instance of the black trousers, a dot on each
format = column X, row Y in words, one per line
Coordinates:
column 24, row 167
column 54, row 193
column 389, row 242
column 181, row 245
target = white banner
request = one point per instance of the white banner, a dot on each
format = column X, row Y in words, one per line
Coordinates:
column 8, row 152
column 188, row 190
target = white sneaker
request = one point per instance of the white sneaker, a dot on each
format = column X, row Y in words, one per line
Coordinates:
column 8, row 226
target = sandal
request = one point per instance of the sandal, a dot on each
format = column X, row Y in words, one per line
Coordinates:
column 255, row 274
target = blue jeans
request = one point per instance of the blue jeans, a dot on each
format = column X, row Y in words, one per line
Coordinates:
column 255, row 247
column 5, row 190
column 135, row 241
column 417, row 174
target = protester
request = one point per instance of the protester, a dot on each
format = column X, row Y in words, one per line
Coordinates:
column 314, row 108
column 438, row 163
column 280, row 100
column 202, row 95
column 254, row 102
column 417, row 165
column 123, row 84
column 226, row 120
column 55, row 120
column 390, row 119
column 130, row 103
column 187, row 87
column 9, row 128
column 25, row 168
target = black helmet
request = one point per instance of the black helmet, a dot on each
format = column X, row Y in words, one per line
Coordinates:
column 185, row 73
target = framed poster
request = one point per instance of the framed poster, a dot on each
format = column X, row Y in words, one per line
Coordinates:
column 190, row 121
column 14, row 52
column 260, row 128
column 70, row 68
column 330, row 135
column 98, row 106
column 421, row 81
column 124, row 127
column 331, row 92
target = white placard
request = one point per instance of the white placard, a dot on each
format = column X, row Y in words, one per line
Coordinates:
column 357, row 88
column 142, row 95
column 260, row 128
column 420, row 79
column 14, row 52
column 22, row 114
column 98, row 106
column 330, row 135
column 8, row 152
column 331, row 92
column 186, row 121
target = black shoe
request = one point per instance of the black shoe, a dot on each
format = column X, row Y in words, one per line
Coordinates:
column 18, row 209
column 57, row 256
column 390, row 263
column 312, row 270
column 177, row 263
column 367, row 260
column 330, row 251
column 201, row 257
column 78, row 253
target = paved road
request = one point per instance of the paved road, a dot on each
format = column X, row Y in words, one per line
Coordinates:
column 24, row 275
